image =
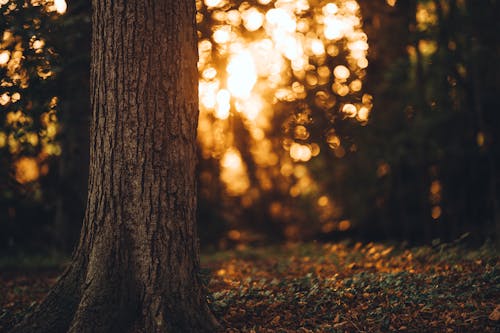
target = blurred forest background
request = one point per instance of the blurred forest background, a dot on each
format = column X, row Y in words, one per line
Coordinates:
column 319, row 120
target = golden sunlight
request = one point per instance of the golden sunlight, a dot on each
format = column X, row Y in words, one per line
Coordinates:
column 26, row 170
column 4, row 57
column 61, row 6
column 233, row 173
column 242, row 74
column 258, row 56
column 252, row 19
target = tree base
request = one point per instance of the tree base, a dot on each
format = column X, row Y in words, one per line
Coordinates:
column 97, row 305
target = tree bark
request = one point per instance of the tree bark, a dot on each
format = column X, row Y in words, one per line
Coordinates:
column 136, row 266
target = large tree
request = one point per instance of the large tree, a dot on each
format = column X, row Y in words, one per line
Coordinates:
column 136, row 267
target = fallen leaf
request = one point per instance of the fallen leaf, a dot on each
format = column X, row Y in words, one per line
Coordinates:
column 495, row 315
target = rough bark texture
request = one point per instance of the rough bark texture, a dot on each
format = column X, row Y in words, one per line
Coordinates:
column 136, row 265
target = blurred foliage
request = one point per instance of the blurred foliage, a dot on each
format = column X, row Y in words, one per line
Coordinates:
column 427, row 163
column 290, row 147
column 280, row 82
column 28, row 118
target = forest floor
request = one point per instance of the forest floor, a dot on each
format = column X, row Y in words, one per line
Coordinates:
column 314, row 287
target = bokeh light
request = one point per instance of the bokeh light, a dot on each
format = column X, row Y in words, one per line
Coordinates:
column 267, row 70
column 29, row 126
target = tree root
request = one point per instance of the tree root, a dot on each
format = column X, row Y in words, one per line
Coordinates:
column 99, row 303
column 55, row 312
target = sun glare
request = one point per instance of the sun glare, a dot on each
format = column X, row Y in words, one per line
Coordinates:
column 242, row 74
column 61, row 6
column 258, row 55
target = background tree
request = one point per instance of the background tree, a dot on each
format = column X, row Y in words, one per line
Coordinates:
column 136, row 267
column 71, row 38
column 432, row 155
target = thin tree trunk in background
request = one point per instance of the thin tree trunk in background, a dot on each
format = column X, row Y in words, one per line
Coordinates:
column 421, row 101
column 481, row 48
column 136, row 268
column 492, row 181
column 388, row 29
column 73, row 82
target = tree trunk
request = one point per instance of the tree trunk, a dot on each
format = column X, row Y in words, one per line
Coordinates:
column 136, row 266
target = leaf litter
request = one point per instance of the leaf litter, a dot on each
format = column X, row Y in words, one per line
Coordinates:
column 315, row 287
